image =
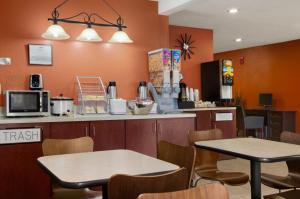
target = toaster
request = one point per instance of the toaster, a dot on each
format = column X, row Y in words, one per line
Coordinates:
column 117, row 106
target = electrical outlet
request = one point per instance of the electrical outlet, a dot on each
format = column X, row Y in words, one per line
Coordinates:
column 5, row 61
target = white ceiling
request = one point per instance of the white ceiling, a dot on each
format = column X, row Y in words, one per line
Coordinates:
column 258, row 22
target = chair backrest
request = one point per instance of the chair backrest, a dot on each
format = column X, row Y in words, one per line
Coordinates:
column 207, row 191
column 67, row 146
column 292, row 138
column 240, row 117
column 205, row 159
column 130, row 187
column 183, row 156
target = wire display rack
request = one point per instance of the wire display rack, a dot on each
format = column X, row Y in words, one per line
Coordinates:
column 91, row 95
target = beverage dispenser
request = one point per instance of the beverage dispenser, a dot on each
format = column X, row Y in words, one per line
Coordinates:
column 217, row 80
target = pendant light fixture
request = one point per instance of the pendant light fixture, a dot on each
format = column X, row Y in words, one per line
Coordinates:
column 57, row 32
column 120, row 36
column 90, row 35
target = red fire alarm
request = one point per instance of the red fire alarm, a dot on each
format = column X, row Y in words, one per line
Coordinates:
column 242, row 60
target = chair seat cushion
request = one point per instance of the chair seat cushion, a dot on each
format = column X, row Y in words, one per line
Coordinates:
column 62, row 193
column 279, row 182
column 230, row 178
column 294, row 194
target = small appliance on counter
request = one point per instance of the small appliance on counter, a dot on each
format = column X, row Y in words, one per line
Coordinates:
column 26, row 103
column 112, row 90
column 36, row 82
column 117, row 106
column 62, row 106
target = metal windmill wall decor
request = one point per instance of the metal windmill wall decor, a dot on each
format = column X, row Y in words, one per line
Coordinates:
column 185, row 44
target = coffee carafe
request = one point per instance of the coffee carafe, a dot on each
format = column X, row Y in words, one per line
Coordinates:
column 112, row 90
column 143, row 90
column 183, row 96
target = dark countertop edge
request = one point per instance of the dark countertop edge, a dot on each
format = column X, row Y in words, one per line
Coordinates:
column 257, row 159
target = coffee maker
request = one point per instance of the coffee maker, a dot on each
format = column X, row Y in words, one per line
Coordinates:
column 36, row 82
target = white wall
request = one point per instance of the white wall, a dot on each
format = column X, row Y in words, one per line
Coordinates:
column 168, row 7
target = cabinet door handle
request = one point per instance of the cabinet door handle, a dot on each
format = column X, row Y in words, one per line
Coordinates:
column 159, row 131
column 86, row 131
column 154, row 127
column 94, row 131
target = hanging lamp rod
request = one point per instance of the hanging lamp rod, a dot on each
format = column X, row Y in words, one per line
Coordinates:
column 89, row 19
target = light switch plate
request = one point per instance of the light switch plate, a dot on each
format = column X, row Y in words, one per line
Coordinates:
column 5, row 61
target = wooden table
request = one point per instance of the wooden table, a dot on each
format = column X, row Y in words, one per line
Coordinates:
column 82, row 170
column 255, row 150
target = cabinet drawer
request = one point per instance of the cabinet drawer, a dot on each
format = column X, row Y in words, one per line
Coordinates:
column 276, row 132
column 276, row 115
column 276, row 126
column 275, row 121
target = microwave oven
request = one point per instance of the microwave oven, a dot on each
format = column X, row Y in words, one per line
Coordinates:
column 27, row 103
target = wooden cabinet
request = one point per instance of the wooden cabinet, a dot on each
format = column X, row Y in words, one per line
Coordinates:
column 279, row 121
column 207, row 120
column 203, row 120
column 227, row 124
column 20, row 175
column 276, row 121
column 175, row 130
column 108, row 135
column 141, row 136
column 69, row 130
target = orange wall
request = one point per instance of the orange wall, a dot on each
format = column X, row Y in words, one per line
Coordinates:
column 203, row 52
column 271, row 68
column 23, row 22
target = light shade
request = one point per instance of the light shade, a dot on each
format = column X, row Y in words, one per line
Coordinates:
column 55, row 32
column 120, row 37
column 89, row 35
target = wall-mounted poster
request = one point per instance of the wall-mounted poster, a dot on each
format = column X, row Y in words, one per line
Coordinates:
column 40, row 54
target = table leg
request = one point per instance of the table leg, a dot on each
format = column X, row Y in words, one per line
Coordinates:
column 255, row 180
column 104, row 191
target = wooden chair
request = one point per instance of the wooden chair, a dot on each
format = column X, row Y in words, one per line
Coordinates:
column 130, row 187
column 206, row 161
column 179, row 155
column 67, row 146
column 292, row 180
column 207, row 191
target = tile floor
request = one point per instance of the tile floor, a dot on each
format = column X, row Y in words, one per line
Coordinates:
column 243, row 192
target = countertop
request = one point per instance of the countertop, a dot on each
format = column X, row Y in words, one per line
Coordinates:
column 100, row 117
column 186, row 113
column 209, row 109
